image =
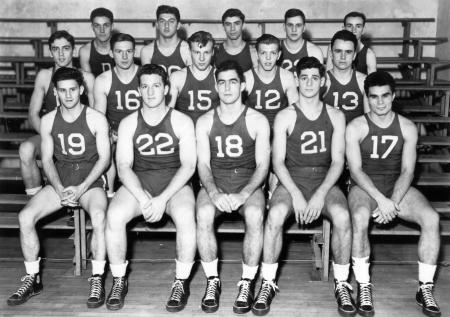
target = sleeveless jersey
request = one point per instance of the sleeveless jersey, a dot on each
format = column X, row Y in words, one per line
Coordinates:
column 243, row 58
column 197, row 96
column 382, row 148
column 230, row 144
column 289, row 60
column 155, row 147
column 347, row 98
column 73, row 141
column 269, row 98
column 309, row 144
column 122, row 99
column 170, row 63
column 360, row 62
column 99, row 63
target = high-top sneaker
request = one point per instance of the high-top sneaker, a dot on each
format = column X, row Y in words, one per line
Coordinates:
column 178, row 297
column 31, row 285
column 365, row 303
column 244, row 300
column 261, row 305
column 116, row 297
column 210, row 301
column 96, row 291
column 346, row 306
column 425, row 298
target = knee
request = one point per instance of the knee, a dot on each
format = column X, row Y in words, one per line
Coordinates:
column 98, row 219
column 275, row 220
column 27, row 152
column 341, row 220
column 360, row 219
column 430, row 223
column 205, row 218
column 114, row 222
column 254, row 218
column 26, row 219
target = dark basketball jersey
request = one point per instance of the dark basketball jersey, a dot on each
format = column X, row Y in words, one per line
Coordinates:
column 155, row 147
column 382, row 148
column 269, row 98
column 122, row 99
column 360, row 62
column 309, row 144
column 99, row 63
column 197, row 96
column 347, row 98
column 243, row 58
column 289, row 60
column 231, row 145
column 170, row 63
column 73, row 141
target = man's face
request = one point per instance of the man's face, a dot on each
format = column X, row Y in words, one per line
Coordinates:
column 380, row 99
column 123, row 54
column 268, row 55
column 69, row 93
column 62, row 52
column 310, row 82
column 355, row 25
column 152, row 90
column 201, row 55
column 167, row 25
column 294, row 27
column 229, row 87
column 233, row 27
column 102, row 28
column 343, row 54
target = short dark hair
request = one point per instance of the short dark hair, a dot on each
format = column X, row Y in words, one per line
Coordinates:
column 267, row 39
column 294, row 13
column 230, row 65
column 150, row 69
column 59, row 35
column 102, row 12
column 355, row 14
column 345, row 35
column 121, row 37
column 201, row 37
column 233, row 13
column 379, row 78
column 169, row 10
column 67, row 73
column 310, row 62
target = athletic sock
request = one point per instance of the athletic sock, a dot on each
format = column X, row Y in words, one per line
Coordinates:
column 32, row 267
column 269, row 271
column 210, row 268
column 98, row 267
column 341, row 271
column 361, row 269
column 182, row 269
column 249, row 272
column 118, row 270
column 426, row 272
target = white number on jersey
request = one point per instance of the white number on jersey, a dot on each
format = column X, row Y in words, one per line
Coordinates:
column 287, row 64
column 202, row 95
column 233, row 146
column 353, row 99
column 164, row 142
column 132, row 100
column 384, row 138
column 76, row 144
column 172, row 68
column 106, row 66
column 311, row 140
column 271, row 103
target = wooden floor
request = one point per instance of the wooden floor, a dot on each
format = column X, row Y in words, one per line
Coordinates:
column 394, row 276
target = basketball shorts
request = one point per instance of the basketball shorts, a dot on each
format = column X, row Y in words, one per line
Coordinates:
column 155, row 181
column 308, row 179
column 383, row 182
column 232, row 181
column 73, row 174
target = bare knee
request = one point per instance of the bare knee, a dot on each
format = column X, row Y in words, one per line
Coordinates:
column 254, row 218
column 360, row 219
column 341, row 219
column 27, row 152
column 276, row 219
column 114, row 222
column 98, row 219
column 430, row 223
column 26, row 219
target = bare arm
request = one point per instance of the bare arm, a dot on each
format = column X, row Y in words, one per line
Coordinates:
column 147, row 53
column 315, row 51
column 101, row 89
column 289, row 86
column 177, row 80
column 37, row 99
column 254, row 56
column 371, row 61
column 360, row 77
column 89, row 81
column 249, row 81
column 329, row 63
column 185, row 53
column 84, row 54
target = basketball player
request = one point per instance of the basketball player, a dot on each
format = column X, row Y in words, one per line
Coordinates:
column 235, row 48
column 75, row 153
column 295, row 47
column 308, row 158
column 381, row 154
column 193, row 88
column 94, row 56
column 344, row 85
column 155, row 161
column 43, row 100
column 233, row 158
column 168, row 50
column 116, row 91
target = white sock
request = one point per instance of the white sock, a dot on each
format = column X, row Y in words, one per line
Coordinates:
column 249, row 272
column 210, row 268
column 269, row 271
column 341, row 271
column 182, row 269
column 118, row 270
column 426, row 272
column 33, row 191
column 98, row 267
column 361, row 269
column 32, row 267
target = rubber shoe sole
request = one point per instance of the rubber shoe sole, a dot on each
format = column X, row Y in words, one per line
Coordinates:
column 95, row 304
column 428, row 312
column 210, row 309
column 260, row 312
column 23, row 300
column 241, row 310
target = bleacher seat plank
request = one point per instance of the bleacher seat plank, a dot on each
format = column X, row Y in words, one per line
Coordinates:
column 430, row 119
column 10, row 174
column 418, row 108
column 15, row 137
column 433, row 158
column 433, row 179
column 9, row 153
column 434, row 140
column 401, row 229
column 14, row 114
column 13, row 199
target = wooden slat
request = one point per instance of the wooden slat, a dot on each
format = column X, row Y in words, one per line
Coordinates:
column 433, row 158
column 15, row 137
column 13, row 199
column 418, row 108
column 430, row 119
column 14, row 115
column 434, row 140
column 9, row 153
column 432, row 179
column 406, row 229
column 10, row 220
column 10, row 174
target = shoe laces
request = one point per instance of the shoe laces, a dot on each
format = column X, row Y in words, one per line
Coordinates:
column 365, row 294
column 211, row 288
column 343, row 290
column 96, row 286
column 177, row 290
column 265, row 291
column 244, row 290
column 27, row 283
column 427, row 295
column 119, row 283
